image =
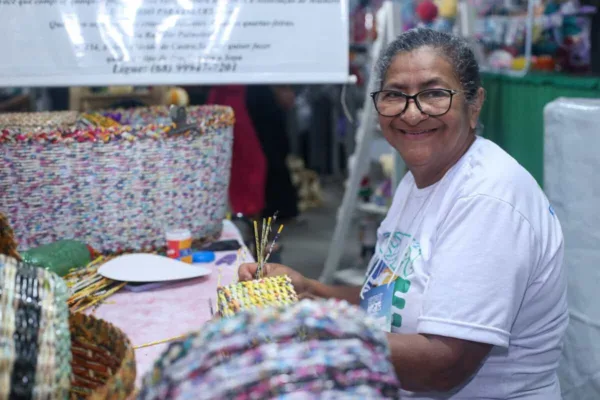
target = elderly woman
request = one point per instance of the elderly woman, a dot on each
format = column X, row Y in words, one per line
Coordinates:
column 467, row 277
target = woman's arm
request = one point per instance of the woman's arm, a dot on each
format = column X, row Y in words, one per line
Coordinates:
column 423, row 363
column 349, row 293
column 429, row 363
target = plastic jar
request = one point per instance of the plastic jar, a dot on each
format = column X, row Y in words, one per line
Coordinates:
column 179, row 245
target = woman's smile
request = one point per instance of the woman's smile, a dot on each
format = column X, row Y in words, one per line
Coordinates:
column 417, row 133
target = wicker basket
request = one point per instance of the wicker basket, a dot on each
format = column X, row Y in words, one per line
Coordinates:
column 8, row 244
column 258, row 293
column 103, row 360
column 117, row 188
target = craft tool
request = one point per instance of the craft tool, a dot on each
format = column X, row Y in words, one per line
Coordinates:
column 273, row 243
column 265, row 240
column 172, row 339
column 262, row 241
column 87, row 288
column 260, row 253
column 101, row 297
column 257, row 241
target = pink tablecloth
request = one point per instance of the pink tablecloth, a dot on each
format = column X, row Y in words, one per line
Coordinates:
column 168, row 311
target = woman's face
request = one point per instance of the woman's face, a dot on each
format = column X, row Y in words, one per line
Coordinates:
column 428, row 144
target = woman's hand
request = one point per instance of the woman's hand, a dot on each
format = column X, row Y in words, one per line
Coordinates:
column 301, row 284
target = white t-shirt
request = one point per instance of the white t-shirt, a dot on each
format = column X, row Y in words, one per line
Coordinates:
column 481, row 260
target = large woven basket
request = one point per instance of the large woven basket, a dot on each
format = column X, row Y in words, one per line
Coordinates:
column 117, row 188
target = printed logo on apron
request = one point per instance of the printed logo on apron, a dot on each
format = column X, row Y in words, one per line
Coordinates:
column 388, row 282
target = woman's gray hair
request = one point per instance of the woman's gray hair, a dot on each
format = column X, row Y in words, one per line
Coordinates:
column 455, row 49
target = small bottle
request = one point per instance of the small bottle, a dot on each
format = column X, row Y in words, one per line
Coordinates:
column 179, row 245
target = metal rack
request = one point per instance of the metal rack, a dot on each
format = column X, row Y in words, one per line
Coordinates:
column 388, row 28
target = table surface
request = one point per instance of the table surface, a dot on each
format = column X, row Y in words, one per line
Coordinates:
column 168, row 311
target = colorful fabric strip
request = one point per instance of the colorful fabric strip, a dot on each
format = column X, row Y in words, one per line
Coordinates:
column 35, row 361
column 27, row 323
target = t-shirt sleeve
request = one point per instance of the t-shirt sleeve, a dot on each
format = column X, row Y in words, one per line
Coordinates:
column 480, row 267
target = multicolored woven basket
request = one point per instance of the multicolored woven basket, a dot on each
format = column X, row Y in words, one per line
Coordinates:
column 311, row 350
column 258, row 293
column 35, row 343
column 116, row 186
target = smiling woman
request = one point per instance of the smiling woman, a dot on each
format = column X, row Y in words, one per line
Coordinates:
column 467, row 275
column 430, row 134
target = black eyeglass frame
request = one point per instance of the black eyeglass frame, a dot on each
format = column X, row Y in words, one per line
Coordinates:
column 414, row 98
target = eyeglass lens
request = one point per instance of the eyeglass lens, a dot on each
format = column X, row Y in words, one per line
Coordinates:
column 432, row 102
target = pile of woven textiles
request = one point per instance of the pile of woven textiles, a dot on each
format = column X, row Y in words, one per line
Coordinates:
column 310, row 350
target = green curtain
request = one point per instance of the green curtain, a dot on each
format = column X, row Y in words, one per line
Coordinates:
column 513, row 113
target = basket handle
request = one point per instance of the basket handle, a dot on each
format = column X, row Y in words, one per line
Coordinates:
column 179, row 117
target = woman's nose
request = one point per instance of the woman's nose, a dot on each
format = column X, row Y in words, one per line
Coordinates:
column 412, row 115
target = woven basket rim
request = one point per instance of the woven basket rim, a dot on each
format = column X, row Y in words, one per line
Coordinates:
column 121, row 379
column 196, row 115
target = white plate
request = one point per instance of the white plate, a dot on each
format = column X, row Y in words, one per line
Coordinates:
column 150, row 268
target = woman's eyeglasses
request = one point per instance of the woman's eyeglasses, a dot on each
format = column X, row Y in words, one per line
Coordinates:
column 433, row 102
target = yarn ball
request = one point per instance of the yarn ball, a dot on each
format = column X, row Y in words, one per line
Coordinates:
column 447, row 8
column 324, row 349
column 177, row 96
column 500, row 59
column 427, row 11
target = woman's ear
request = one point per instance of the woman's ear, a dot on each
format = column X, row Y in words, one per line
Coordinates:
column 475, row 108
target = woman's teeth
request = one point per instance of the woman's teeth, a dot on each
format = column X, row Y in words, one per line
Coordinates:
column 417, row 132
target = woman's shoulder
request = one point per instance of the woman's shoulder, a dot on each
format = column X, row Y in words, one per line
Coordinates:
column 490, row 175
column 488, row 170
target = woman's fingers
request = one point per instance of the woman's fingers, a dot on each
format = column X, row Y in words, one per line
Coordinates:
column 247, row 271
column 308, row 296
